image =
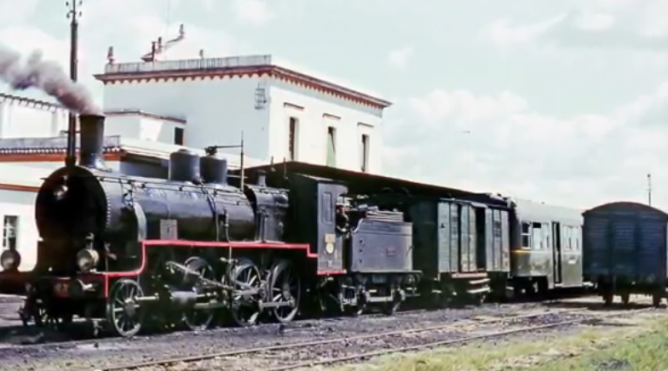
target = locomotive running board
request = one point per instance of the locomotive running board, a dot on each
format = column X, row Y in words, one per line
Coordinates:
column 479, row 282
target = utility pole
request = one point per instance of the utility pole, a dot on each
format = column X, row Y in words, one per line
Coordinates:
column 73, row 14
column 649, row 189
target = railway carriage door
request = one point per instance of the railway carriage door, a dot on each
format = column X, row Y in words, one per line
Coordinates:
column 556, row 252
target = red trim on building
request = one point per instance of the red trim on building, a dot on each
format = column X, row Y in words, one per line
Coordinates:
column 280, row 73
column 18, row 187
column 29, row 102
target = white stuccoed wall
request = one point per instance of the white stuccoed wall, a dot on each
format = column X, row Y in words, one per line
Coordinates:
column 349, row 119
column 21, row 204
column 217, row 110
column 21, row 118
column 141, row 127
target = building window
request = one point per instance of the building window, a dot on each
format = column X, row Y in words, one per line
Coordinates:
column 331, row 146
column 178, row 136
column 364, row 152
column 10, row 231
column 292, row 139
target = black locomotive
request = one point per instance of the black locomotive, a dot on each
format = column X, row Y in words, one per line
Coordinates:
column 131, row 250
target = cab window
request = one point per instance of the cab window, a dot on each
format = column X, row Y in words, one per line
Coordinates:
column 526, row 235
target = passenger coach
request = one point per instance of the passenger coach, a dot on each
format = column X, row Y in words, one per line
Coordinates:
column 547, row 247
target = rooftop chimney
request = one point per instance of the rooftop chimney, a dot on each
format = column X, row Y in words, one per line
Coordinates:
column 91, row 141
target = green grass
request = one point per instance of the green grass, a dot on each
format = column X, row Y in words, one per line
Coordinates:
column 646, row 352
column 642, row 346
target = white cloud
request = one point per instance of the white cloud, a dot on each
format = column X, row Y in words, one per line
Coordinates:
column 595, row 22
column 399, row 58
column 497, row 143
column 13, row 11
column 131, row 39
column 504, row 32
column 253, row 12
column 441, row 105
column 600, row 24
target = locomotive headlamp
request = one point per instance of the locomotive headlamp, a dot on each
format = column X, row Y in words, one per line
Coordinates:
column 87, row 259
column 10, row 259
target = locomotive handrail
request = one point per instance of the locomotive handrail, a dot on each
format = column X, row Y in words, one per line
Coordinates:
column 167, row 183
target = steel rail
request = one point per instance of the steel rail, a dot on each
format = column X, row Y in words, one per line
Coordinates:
column 237, row 352
column 71, row 343
column 441, row 343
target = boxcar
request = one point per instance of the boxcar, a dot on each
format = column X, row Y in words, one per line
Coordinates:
column 625, row 250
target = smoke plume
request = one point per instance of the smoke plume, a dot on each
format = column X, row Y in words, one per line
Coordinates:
column 47, row 76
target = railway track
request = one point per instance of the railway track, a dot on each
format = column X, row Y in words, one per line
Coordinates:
column 347, row 349
column 33, row 342
column 45, row 339
column 32, row 337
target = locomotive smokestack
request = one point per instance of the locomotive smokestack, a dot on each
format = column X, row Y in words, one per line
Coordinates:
column 91, row 141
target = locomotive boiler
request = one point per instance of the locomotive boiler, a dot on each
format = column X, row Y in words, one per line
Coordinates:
column 91, row 211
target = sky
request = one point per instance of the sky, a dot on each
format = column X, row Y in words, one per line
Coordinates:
column 564, row 102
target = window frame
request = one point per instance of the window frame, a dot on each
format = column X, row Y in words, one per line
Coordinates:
column 179, row 132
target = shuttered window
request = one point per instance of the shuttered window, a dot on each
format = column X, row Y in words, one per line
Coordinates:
column 364, row 152
column 292, row 139
column 331, row 146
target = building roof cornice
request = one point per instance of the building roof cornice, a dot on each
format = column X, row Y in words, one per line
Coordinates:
column 231, row 67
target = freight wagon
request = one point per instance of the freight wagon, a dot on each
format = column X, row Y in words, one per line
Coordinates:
column 624, row 251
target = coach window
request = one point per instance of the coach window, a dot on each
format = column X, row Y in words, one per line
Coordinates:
column 526, row 235
column 571, row 238
column 10, row 232
column 568, row 237
column 537, row 236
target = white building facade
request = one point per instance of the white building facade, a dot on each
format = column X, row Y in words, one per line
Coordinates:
column 22, row 117
column 18, row 190
column 283, row 114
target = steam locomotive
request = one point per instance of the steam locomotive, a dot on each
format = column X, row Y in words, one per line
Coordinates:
column 129, row 251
